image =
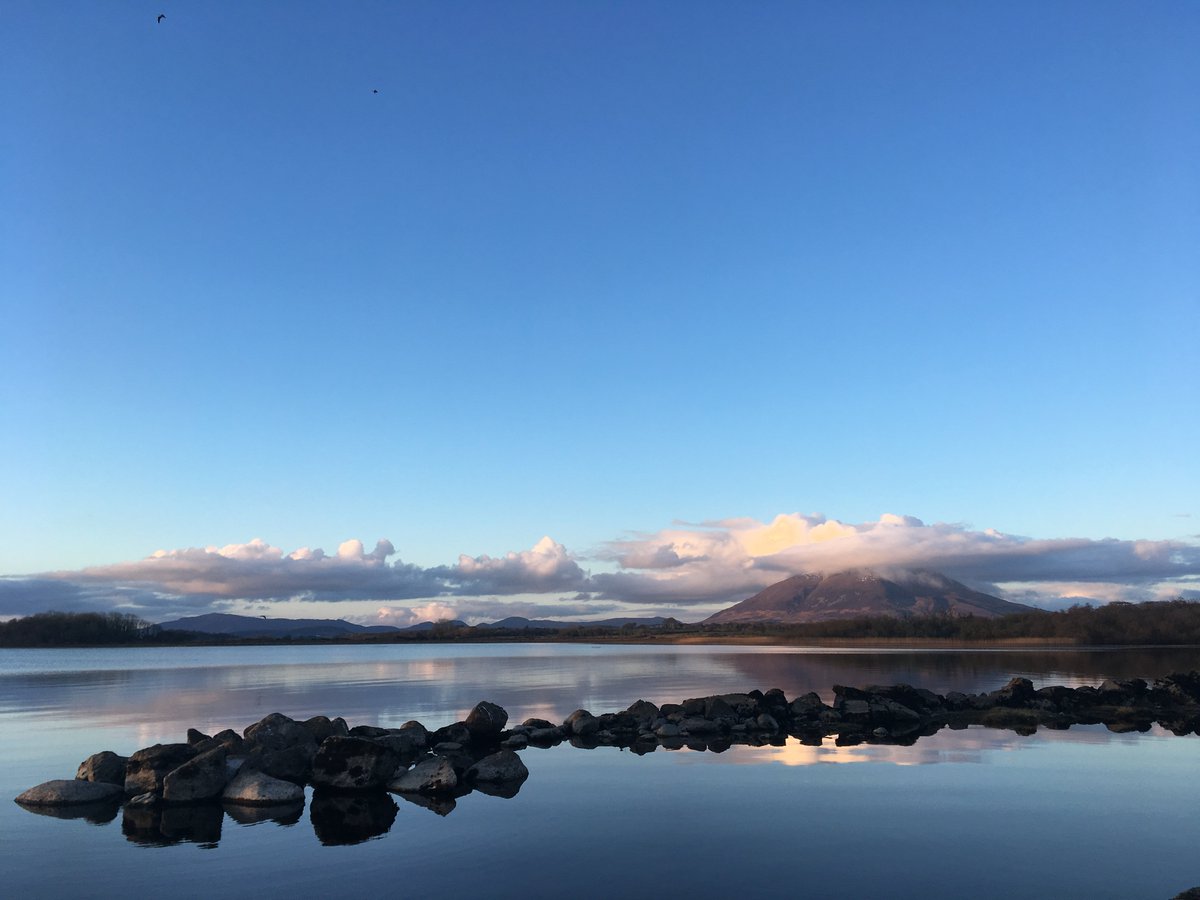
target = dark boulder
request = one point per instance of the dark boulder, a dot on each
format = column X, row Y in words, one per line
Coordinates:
column 105, row 766
column 504, row 765
column 580, row 723
column 320, row 727
column 202, row 777
column 146, row 769
column 294, row 764
column 353, row 764
column 486, row 721
column 278, row 732
column 455, row 733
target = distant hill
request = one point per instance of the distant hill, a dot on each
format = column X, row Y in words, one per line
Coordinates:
column 263, row 627
column 860, row 593
column 518, row 622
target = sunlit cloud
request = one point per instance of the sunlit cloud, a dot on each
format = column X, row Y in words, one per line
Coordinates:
column 727, row 560
column 686, row 571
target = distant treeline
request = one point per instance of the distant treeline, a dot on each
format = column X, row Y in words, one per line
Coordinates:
column 52, row 629
column 1167, row 622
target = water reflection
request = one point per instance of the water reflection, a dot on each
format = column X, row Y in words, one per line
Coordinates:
column 351, row 819
column 161, row 826
column 339, row 819
column 387, row 686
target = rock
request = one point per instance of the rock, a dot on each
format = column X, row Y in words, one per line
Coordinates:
column 433, row 775
column 70, row 793
column 353, row 764
column 698, row 725
column 581, row 723
column 486, row 721
column 766, row 722
column 643, row 711
column 260, row 789
column 502, row 766
column 145, row 770
column 1017, row 693
column 195, row 737
column 105, row 766
column 403, row 744
column 277, row 732
column 202, row 777
column 718, row 709
column 667, row 730
column 320, row 727
column 142, row 800
column 456, row 733
column 294, row 764
column 368, row 731
column 515, row 741
column 229, row 739
column 544, row 737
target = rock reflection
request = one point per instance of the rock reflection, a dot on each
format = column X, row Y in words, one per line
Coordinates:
column 285, row 814
column 159, row 826
column 99, row 813
column 443, row 806
column 340, row 819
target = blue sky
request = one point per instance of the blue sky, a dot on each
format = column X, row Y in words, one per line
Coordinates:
column 587, row 270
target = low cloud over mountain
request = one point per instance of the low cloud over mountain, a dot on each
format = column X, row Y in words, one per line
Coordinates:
column 695, row 569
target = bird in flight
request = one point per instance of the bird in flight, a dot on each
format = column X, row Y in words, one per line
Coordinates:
column 374, row 90
column 161, row 16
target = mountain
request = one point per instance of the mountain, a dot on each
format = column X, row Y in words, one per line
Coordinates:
column 261, row 626
column 858, row 593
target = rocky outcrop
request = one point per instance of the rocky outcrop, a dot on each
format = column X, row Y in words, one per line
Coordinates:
column 175, row 791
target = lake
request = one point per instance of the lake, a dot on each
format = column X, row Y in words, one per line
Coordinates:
column 978, row 812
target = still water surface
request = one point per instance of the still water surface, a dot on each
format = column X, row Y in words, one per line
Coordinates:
column 979, row 813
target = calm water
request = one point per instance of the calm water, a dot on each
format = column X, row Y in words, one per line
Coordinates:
column 979, row 813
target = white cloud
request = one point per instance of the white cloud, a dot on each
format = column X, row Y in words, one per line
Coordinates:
column 699, row 566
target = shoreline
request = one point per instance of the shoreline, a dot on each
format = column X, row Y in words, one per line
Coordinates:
column 755, row 640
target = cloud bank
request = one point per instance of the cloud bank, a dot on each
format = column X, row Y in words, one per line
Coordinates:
column 686, row 570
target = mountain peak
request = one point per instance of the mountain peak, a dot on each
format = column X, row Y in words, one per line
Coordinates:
column 856, row 593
